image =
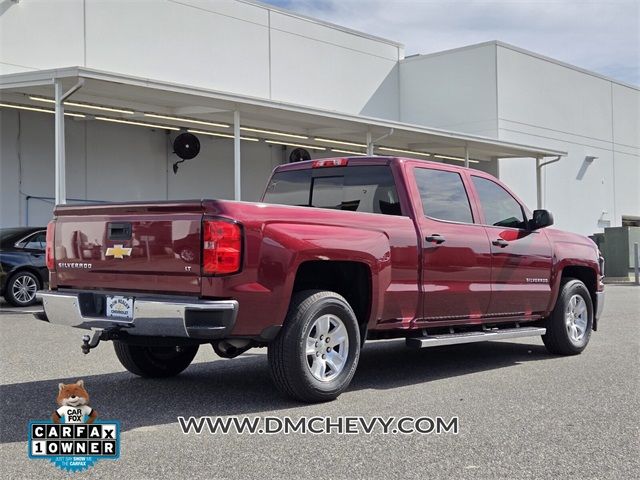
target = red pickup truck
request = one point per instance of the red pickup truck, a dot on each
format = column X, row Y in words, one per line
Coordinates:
column 339, row 251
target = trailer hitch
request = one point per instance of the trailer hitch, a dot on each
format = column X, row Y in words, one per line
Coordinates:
column 91, row 341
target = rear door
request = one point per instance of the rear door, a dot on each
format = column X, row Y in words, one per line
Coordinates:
column 456, row 257
column 521, row 258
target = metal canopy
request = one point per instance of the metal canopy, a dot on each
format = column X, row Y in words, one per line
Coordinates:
column 140, row 96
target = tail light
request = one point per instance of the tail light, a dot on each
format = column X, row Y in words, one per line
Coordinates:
column 330, row 162
column 221, row 247
column 49, row 251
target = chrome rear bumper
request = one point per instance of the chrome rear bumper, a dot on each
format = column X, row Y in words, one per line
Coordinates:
column 152, row 316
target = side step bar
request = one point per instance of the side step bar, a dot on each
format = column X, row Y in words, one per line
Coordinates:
column 472, row 337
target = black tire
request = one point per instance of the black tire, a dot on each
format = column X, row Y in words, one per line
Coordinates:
column 558, row 339
column 288, row 359
column 16, row 298
column 154, row 362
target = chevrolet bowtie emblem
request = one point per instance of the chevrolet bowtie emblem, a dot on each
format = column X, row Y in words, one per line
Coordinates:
column 118, row 251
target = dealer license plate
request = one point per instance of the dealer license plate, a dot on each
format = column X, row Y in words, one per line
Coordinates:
column 120, row 307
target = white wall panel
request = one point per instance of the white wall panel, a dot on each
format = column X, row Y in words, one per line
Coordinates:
column 125, row 163
column 310, row 72
column 116, row 163
column 323, row 33
column 626, row 116
column 456, row 90
column 575, row 191
column 537, row 92
column 209, row 175
column 27, row 166
column 221, row 45
column 9, row 168
column 178, row 43
column 41, row 34
column 627, row 185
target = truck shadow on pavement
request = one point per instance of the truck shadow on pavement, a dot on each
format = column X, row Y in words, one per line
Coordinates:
column 242, row 386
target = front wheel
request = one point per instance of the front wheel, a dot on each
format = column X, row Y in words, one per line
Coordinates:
column 569, row 325
column 315, row 355
column 154, row 362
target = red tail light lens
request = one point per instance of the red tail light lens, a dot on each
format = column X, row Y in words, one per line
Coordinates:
column 49, row 252
column 222, row 247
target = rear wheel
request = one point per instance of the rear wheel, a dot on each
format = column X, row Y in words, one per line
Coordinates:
column 315, row 355
column 154, row 361
column 21, row 289
column 569, row 325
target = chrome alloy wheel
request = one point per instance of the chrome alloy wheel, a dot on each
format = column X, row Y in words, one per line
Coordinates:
column 24, row 288
column 327, row 347
column 576, row 318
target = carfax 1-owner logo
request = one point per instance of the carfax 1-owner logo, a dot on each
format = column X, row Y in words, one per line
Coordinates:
column 75, row 438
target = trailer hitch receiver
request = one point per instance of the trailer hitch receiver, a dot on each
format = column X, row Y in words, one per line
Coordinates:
column 91, row 341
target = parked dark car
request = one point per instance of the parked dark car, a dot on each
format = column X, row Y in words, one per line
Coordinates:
column 23, row 269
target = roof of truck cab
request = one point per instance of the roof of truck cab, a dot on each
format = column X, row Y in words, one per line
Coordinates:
column 360, row 160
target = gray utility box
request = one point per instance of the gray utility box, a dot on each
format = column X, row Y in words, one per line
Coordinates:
column 616, row 246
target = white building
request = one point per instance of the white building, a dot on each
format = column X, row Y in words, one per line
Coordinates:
column 282, row 80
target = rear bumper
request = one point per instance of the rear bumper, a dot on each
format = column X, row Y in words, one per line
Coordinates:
column 152, row 316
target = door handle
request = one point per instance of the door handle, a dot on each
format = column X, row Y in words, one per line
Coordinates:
column 435, row 238
column 500, row 243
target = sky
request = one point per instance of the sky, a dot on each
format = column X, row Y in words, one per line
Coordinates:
column 599, row 35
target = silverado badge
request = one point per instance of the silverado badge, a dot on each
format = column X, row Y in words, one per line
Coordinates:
column 118, row 251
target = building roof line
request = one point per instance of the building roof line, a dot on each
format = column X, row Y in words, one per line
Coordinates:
column 524, row 51
column 325, row 23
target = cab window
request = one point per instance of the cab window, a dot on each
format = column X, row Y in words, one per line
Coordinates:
column 364, row 188
column 443, row 195
column 499, row 207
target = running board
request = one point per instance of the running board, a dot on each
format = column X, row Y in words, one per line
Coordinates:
column 472, row 337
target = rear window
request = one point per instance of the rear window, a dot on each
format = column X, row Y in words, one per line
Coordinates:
column 365, row 188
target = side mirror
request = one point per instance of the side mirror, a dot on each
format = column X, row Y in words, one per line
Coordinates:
column 541, row 219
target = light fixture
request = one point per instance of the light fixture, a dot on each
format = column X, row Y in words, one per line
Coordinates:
column 188, row 120
column 272, row 132
column 340, row 142
column 76, row 115
column 350, row 152
column 36, row 109
column 398, row 150
column 223, row 135
column 589, row 158
column 140, row 124
column 457, row 159
column 85, row 105
column 278, row 142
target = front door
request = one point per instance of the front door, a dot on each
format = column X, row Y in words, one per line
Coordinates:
column 456, row 256
column 521, row 257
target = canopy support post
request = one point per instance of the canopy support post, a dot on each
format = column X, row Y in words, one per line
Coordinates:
column 237, row 179
column 369, row 144
column 60, row 155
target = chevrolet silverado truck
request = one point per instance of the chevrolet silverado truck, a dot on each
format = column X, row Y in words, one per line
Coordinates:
column 338, row 251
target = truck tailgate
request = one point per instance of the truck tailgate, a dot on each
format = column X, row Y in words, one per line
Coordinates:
column 137, row 247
